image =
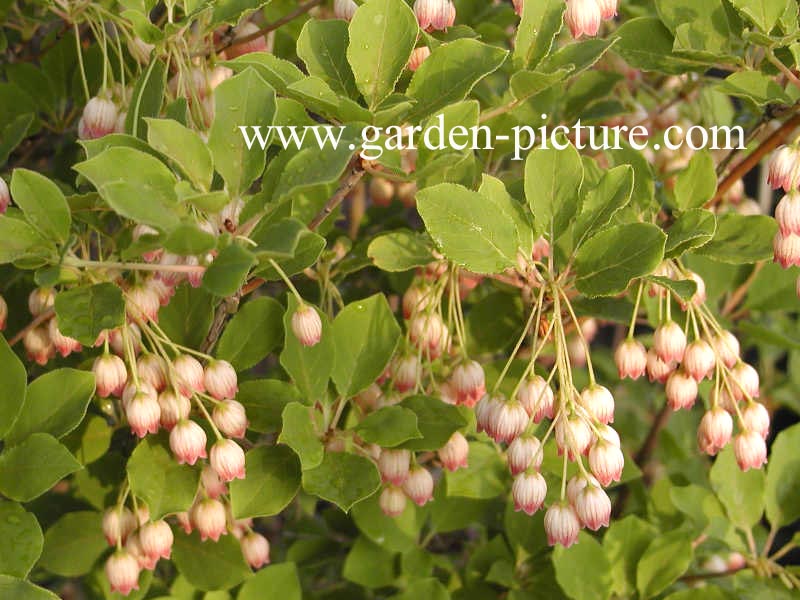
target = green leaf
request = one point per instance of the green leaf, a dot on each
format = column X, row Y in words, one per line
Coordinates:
column 553, row 180
column 695, row 185
column 609, row 260
column 277, row 240
column 188, row 316
column 526, row 84
column 13, row 383
column 56, row 403
column 494, row 323
column 624, row 543
column 19, row 589
column 499, row 200
column 13, row 134
column 449, row 74
column 22, row 538
column 309, row 247
column 264, row 400
column 683, row 288
column 369, row 565
column 398, row 534
column 540, row 24
column 146, row 98
column 300, row 434
column 343, row 479
column 485, row 477
column 229, row 270
column 187, row 239
column 273, row 478
column 365, row 335
column 645, row 43
column 255, row 331
column 157, row 478
column 763, row 13
column 400, row 250
column 90, row 440
column 19, row 240
column 754, row 86
column 382, row 36
column 73, row 544
column 84, row 312
column 277, row 72
column 456, row 218
column 281, row 580
column 209, row 566
column 602, row 203
column 43, row 204
column 429, row 588
column 692, row 229
column 34, row 466
column 243, row 100
column 322, row 46
column 124, row 176
column 741, row 492
column 436, row 421
column 185, row 147
column 741, row 239
column 309, row 367
column 389, row 426
column 666, row 558
column 783, row 479
column 572, row 574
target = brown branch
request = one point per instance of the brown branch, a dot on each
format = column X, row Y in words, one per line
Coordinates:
column 347, row 184
column 747, row 164
column 741, row 291
column 45, row 316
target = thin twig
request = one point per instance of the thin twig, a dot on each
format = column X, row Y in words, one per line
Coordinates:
column 740, row 292
column 43, row 317
column 347, row 184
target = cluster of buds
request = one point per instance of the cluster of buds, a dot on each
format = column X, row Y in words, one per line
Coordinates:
column 784, row 173
column 43, row 341
column 382, row 191
column 583, row 17
column 681, row 363
column 435, row 15
column 403, row 479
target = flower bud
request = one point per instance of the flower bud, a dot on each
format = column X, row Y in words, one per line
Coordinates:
column 392, row 501
column 561, row 524
column 246, row 29
column 5, row 196
column 435, row 14
column 174, row 407
column 537, row 398
column 750, row 450
column 3, row 313
column 669, row 342
column 212, row 484
column 122, row 571
column 606, row 462
column 599, row 402
column 394, row 465
column 657, row 369
column 518, row 6
column 727, row 348
column 573, row 435
column 681, row 390
column 227, row 459
column 468, row 383
column 143, row 413
column 255, row 549
column 577, row 483
column 787, row 213
column 715, row 430
column 187, row 440
column 745, row 382
column 756, row 418
column 41, row 300
column 418, row 56
column 209, row 518
column 381, row 192
column 344, row 9
column 699, row 296
column 63, row 344
column 116, row 339
column 583, row 17
column 38, row 346
column 307, row 325
column 784, row 169
column 524, row 453
column 142, row 303
column 631, row 359
column 577, row 351
column 230, row 418
column 142, row 513
column 593, row 507
column 429, row 333
column 156, row 539
column 483, row 412
column 140, row 50
column 541, row 249
column 220, row 380
column 608, row 8
column 152, row 369
column 110, row 374
column 99, row 118
column 508, row 421
column 419, row 485
column 786, row 249
column 118, row 524
column 454, row 454
column 699, row 359
column 528, row 491
column 185, row 521
column 405, row 373
column 189, row 374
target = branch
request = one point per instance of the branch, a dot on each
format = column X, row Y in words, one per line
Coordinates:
column 45, row 316
column 347, row 184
